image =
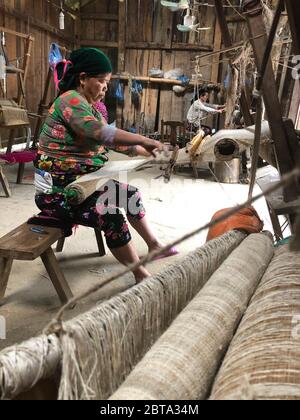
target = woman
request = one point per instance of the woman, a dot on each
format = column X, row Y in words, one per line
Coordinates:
column 74, row 141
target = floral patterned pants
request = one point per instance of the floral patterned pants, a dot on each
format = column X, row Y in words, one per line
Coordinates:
column 101, row 210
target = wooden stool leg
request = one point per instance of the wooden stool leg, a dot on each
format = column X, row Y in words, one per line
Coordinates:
column 56, row 275
column 4, row 183
column 100, row 243
column 275, row 223
column 5, row 269
column 20, row 173
column 60, row 245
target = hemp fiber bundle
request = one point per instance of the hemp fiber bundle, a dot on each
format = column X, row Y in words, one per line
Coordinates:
column 182, row 364
column 263, row 361
column 99, row 349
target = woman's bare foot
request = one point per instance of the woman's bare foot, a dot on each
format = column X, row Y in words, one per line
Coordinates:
column 159, row 246
column 156, row 246
column 141, row 274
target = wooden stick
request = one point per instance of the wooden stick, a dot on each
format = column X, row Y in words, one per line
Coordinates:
column 164, row 81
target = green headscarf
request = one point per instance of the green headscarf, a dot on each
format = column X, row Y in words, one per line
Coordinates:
column 85, row 60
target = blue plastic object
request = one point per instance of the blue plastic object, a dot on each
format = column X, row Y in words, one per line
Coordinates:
column 119, row 92
column 54, row 55
column 184, row 79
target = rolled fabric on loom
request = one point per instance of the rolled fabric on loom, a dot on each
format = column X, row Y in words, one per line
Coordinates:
column 104, row 344
column 182, row 364
column 81, row 189
column 263, row 361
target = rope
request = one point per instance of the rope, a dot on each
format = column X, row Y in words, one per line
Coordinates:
column 235, row 9
column 284, row 182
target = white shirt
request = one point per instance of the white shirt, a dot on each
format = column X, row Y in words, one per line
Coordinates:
column 199, row 111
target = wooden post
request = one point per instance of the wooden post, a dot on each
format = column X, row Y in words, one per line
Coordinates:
column 228, row 43
column 122, row 36
column 259, row 39
column 42, row 107
column 121, row 52
column 216, row 59
column 56, row 275
column 23, row 77
column 294, row 19
column 60, row 245
column 78, row 30
column 100, row 243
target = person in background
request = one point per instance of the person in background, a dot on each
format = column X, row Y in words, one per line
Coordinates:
column 101, row 108
column 75, row 141
column 200, row 110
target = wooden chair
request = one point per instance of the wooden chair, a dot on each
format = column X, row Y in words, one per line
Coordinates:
column 28, row 242
column 170, row 130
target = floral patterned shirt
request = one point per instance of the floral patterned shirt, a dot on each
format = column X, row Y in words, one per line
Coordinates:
column 69, row 144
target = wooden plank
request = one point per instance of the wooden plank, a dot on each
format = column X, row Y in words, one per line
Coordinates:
column 56, row 276
column 216, row 59
column 145, row 20
column 166, row 94
column 174, row 47
column 77, row 30
column 122, row 37
column 100, row 16
column 100, row 44
column 131, row 22
column 295, row 104
column 15, row 33
column 129, row 113
column 149, row 107
column 23, row 244
column 162, row 26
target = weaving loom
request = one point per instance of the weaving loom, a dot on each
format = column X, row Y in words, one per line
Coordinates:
column 166, row 338
column 11, row 115
column 225, row 145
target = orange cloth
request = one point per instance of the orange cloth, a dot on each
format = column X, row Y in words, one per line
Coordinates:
column 246, row 220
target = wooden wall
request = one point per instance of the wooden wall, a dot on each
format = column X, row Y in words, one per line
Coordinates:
column 151, row 40
column 38, row 18
column 137, row 35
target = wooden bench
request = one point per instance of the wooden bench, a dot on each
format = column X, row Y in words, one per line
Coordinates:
column 28, row 242
column 3, row 181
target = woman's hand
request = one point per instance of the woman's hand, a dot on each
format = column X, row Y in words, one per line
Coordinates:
column 151, row 147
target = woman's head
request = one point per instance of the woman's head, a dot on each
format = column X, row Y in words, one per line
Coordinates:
column 94, row 88
column 89, row 69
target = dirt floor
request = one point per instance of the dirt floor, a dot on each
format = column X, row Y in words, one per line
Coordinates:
column 173, row 210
